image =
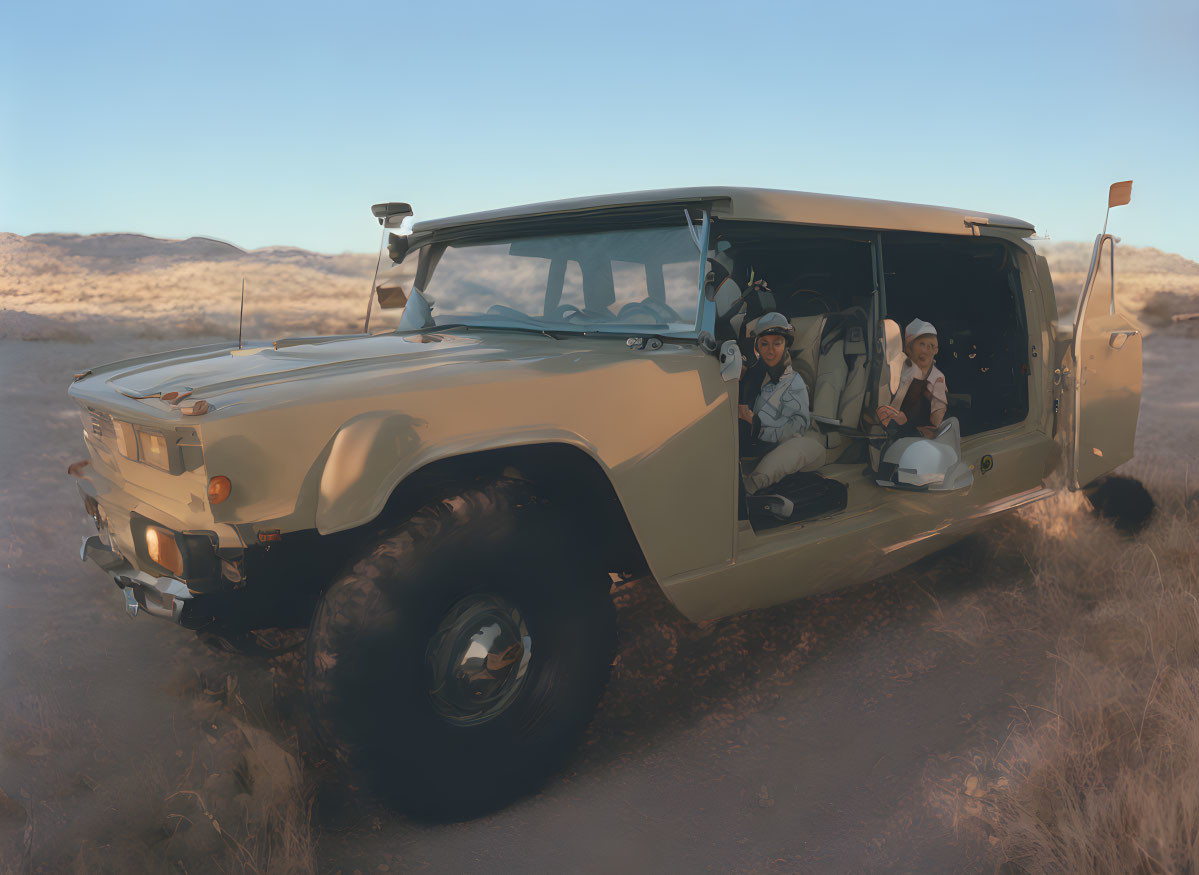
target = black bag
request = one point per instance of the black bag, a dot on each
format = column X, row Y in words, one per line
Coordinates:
column 811, row 494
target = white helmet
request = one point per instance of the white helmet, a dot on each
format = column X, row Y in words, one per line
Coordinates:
column 934, row 464
column 773, row 323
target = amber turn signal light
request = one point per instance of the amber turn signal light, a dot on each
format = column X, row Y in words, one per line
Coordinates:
column 219, row 488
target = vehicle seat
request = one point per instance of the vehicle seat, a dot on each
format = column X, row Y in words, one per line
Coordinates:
column 832, row 372
column 838, row 388
column 805, row 349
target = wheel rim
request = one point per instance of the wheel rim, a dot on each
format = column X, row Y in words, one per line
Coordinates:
column 478, row 659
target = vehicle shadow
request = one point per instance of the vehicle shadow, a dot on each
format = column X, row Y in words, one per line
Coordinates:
column 673, row 676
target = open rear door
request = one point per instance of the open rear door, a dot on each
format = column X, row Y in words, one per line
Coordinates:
column 1107, row 374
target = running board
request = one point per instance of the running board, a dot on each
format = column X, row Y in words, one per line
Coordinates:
column 1020, row 499
column 1002, row 505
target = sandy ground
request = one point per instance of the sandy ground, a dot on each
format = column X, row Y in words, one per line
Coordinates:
column 809, row 737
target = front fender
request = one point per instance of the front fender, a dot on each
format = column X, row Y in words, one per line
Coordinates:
column 662, row 429
column 372, row 453
column 368, row 456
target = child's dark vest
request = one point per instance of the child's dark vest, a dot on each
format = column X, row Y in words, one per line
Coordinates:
column 917, row 405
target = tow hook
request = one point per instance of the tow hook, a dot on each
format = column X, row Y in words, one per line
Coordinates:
column 131, row 604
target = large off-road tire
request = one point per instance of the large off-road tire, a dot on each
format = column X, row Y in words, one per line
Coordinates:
column 458, row 661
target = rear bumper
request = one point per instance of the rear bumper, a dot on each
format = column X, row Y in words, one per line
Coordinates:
column 159, row 596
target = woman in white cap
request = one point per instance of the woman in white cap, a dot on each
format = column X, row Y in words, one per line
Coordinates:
column 920, row 402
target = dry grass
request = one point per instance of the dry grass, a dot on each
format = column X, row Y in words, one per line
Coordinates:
column 246, row 807
column 1104, row 775
column 242, row 804
column 83, row 285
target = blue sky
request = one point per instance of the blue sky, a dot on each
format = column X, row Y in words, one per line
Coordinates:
column 280, row 123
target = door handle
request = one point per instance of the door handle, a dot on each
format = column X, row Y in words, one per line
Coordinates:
column 1119, row 338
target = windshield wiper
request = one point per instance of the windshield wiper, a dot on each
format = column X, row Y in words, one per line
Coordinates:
column 554, row 335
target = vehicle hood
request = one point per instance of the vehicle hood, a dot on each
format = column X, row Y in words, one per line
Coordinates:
column 208, row 372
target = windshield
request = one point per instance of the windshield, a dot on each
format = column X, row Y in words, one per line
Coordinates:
column 637, row 279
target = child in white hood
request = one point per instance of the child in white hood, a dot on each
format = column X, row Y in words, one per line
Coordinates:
column 920, row 402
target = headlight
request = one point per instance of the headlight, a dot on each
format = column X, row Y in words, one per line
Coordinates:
column 158, row 448
column 153, row 449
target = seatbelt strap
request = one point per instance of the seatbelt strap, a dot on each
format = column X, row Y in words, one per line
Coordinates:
column 782, row 387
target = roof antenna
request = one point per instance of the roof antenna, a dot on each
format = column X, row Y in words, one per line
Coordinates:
column 366, row 327
column 242, row 315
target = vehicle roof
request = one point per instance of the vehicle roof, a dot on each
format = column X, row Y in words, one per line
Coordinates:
column 762, row 205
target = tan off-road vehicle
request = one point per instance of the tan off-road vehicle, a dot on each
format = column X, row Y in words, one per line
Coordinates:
column 444, row 505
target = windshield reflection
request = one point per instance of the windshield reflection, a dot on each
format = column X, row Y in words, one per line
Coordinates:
column 619, row 281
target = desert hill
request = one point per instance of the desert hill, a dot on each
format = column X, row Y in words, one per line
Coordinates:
column 1153, row 284
column 125, row 247
column 1076, row 257
column 70, row 286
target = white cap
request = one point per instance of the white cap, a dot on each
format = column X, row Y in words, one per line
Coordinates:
column 918, row 328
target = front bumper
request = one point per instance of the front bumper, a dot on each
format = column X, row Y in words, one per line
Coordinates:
column 214, row 588
column 119, row 548
column 158, row 596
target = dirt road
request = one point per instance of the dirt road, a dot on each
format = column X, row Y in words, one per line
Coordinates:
column 810, row 737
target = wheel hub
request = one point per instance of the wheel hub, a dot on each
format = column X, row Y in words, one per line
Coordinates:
column 478, row 659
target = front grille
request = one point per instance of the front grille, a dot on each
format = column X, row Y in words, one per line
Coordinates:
column 101, row 424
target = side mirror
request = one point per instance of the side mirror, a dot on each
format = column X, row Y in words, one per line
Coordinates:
column 730, row 361
column 391, row 295
column 388, row 212
column 893, row 353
